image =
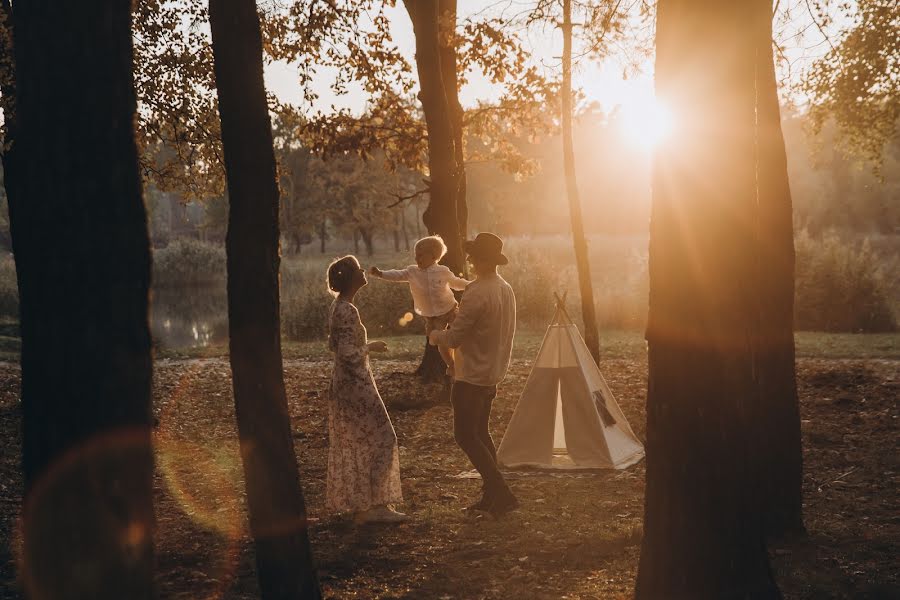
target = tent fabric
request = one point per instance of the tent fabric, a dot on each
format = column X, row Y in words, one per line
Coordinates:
column 567, row 417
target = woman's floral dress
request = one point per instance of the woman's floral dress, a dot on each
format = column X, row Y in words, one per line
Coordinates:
column 363, row 459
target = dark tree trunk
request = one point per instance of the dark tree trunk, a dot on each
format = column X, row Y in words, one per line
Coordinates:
column 277, row 511
column 396, row 233
column 356, row 242
column 323, row 233
column 777, row 415
column 450, row 79
column 82, row 254
column 367, row 237
column 418, row 222
column 591, row 336
column 441, row 216
column 403, row 229
column 703, row 526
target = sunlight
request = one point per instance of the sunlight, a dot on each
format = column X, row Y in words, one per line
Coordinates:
column 645, row 123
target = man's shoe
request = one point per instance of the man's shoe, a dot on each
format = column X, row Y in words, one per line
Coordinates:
column 504, row 503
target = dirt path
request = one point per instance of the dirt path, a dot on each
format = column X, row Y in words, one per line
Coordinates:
column 576, row 536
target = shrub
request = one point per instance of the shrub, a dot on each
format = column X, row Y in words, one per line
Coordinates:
column 188, row 262
column 618, row 273
column 841, row 287
column 305, row 302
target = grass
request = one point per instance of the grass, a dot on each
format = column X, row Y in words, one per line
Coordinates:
column 614, row 344
column 816, row 344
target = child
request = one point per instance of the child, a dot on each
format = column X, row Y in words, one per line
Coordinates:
column 431, row 285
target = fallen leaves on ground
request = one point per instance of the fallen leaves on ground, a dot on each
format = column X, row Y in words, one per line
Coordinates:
column 574, row 537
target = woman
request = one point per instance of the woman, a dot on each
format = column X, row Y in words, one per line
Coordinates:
column 363, row 459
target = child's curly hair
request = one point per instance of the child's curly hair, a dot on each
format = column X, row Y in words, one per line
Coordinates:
column 433, row 243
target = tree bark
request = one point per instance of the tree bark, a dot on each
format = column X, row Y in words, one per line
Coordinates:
column 441, row 216
column 591, row 336
column 82, row 254
column 703, row 526
column 367, row 237
column 777, row 415
column 450, row 79
column 277, row 511
column 403, row 228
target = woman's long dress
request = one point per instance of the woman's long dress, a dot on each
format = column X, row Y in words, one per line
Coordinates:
column 363, row 459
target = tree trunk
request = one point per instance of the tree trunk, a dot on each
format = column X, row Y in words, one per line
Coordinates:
column 367, row 237
column 450, row 79
column 591, row 337
column 703, row 526
column 418, row 221
column 82, row 254
column 777, row 415
column 356, row 242
column 441, row 215
column 403, row 229
column 274, row 497
column 323, row 233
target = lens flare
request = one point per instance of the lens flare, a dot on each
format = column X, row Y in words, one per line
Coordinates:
column 645, row 123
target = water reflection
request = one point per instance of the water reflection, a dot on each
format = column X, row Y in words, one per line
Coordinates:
column 189, row 317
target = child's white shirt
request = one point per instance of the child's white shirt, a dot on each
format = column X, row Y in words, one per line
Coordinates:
column 431, row 287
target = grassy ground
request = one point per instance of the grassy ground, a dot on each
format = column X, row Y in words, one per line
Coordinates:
column 576, row 535
column 614, row 344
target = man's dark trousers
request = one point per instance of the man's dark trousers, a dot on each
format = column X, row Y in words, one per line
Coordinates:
column 471, row 415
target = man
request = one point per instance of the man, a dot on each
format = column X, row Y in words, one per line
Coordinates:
column 482, row 337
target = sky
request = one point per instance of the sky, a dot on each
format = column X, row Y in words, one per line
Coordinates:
column 604, row 84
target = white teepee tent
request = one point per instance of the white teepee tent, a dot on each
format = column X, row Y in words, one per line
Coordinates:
column 567, row 417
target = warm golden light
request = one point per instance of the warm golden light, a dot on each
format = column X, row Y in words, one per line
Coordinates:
column 645, row 123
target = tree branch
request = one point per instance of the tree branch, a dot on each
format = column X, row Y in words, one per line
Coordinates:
column 401, row 198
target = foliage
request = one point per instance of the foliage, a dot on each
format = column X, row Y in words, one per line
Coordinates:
column 305, row 302
column 393, row 123
column 178, row 122
column 188, row 262
column 857, row 82
column 831, row 190
column 841, row 286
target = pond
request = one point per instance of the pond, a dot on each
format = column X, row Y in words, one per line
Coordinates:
column 189, row 317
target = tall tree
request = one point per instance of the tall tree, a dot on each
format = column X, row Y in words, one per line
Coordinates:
column 444, row 166
column 82, row 255
column 441, row 216
column 277, row 511
column 777, row 414
column 703, row 313
column 448, row 43
column 591, row 337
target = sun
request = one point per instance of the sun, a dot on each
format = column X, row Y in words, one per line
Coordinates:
column 644, row 123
